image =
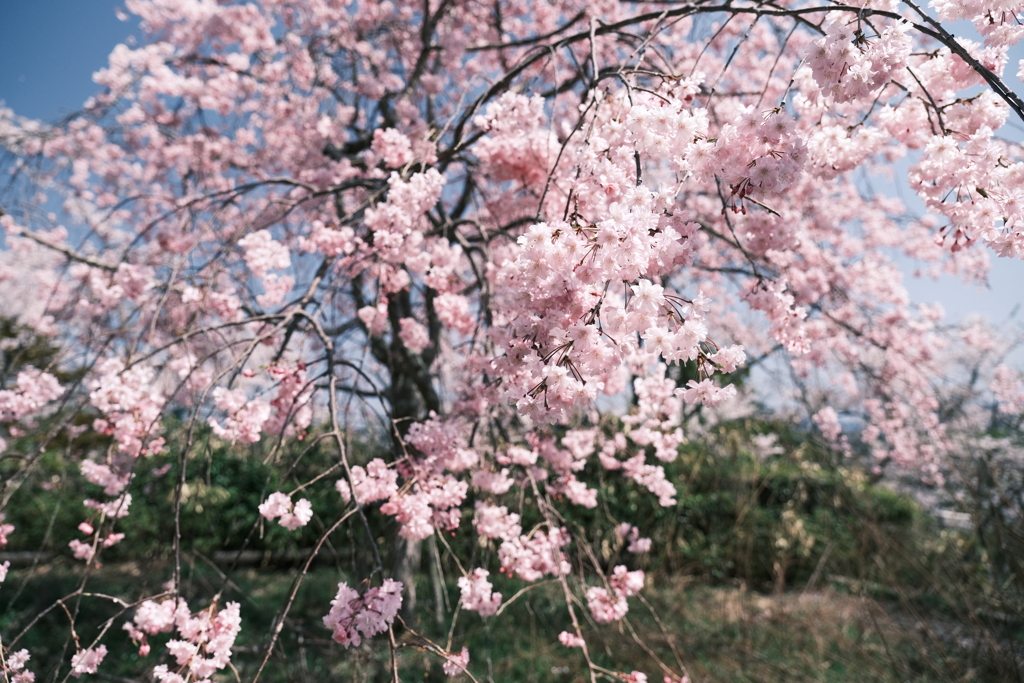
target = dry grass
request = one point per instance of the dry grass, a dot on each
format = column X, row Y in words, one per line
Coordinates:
column 730, row 634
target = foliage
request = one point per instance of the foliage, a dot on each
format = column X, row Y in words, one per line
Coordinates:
column 867, row 541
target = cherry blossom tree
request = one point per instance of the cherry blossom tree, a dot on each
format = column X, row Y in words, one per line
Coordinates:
column 521, row 242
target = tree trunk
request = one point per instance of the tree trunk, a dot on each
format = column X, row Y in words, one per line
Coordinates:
column 406, row 565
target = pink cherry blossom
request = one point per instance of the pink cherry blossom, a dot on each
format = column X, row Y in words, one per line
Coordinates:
column 477, row 595
column 155, row 617
column 33, row 390
column 393, row 147
column 828, row 422
column 5, row 530
column 625, row 582
column 16, row 661
column 87, row 661
column 263, row 253
column 496, row 522
column 82, row 551
column 570, row 640
column 113, row 509
column 245, row 418
column 279, row 506
column 531, row 557
column 372, row 483
column 354, row 617
column 605, row 607
column 414, row 335
column 130, row 406
column 1008, row 387
column 102, row 475
column 456, row 664
column 630, row 533
column 205, row 638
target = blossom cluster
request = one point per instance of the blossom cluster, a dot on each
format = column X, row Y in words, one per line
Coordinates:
column 245, row 417
column 279, row 506
column 1008, row 387
column 477, row 594
column 204, row 641
column 33, row 390
column 848, row 66
column 14, row 668
column 456, row 664
column 131, row 407
column 610, row 605
column 5, row 530
column 354, row 616
column 87, row 660
column 372, row 483
column 630, row 533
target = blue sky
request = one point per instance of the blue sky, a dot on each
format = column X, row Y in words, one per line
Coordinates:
column 49, row 50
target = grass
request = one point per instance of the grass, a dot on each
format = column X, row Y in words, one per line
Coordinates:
column 714, row 633
column 779, row 569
